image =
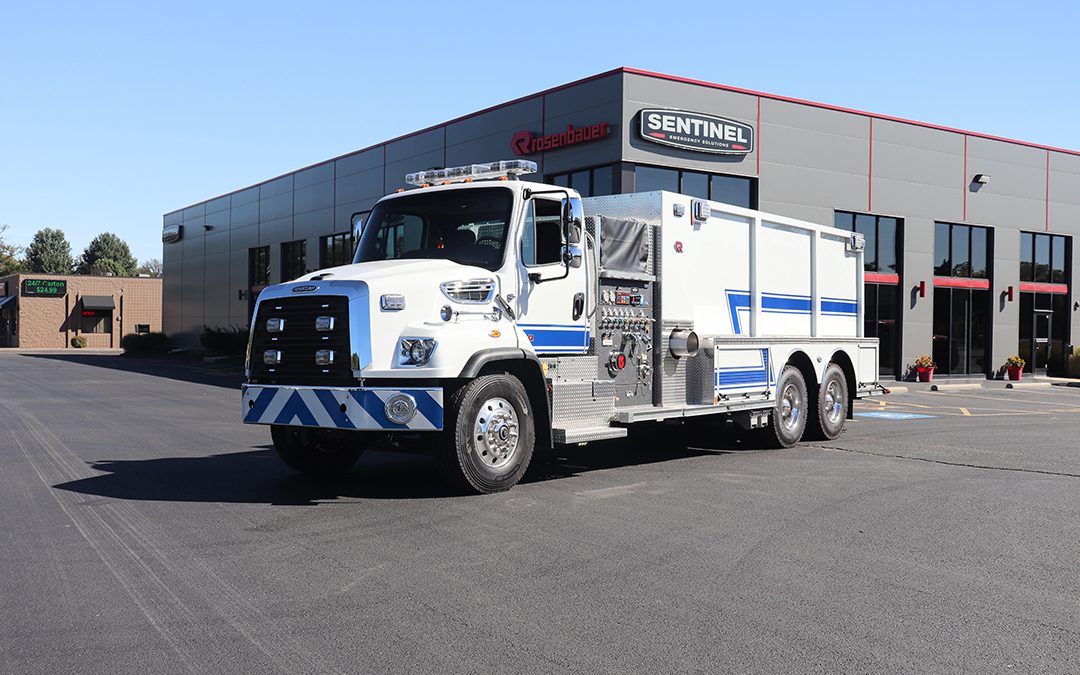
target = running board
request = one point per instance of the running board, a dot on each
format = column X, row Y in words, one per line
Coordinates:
column 586, row 434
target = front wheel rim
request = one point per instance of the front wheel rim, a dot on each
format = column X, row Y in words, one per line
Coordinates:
column 497, row 433
column 834, row 405
column 790, row 407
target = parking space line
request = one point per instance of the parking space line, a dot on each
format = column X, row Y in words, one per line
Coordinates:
column 966, row 412
column 1006, row 399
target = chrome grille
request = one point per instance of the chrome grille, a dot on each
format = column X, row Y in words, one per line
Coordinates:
column 299, row 341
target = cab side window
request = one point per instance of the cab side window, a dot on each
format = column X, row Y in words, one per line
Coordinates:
column 542, row 240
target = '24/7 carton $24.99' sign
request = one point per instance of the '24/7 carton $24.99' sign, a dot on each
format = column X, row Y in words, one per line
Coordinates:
column 51, row 288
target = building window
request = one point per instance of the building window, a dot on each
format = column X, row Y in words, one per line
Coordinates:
column 293, row 259
column 961, row 251
column 734, row 190
column 96, row 321
column 882, row 239
column 1044, row 258
column 881, row 313
column 1045, row 312
column 259, row 266
column 335, row 250
column 962, row 255
column 588, row 182
column 258, row 273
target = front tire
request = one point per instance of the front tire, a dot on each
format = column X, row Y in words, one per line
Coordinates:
column 788, row 421
column 316, row 451
column 488, row 442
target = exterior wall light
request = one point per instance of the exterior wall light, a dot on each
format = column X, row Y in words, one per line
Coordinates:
column 981, row 178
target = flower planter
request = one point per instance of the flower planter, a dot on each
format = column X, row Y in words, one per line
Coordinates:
column 925, row 374
column 1015, row 372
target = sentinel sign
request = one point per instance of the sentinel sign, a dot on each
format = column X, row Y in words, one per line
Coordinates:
column 697, row 132
column 527, row 143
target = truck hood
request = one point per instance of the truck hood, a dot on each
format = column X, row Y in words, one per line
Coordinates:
column 388, row 270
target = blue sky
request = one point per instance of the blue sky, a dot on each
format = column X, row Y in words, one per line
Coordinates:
column 112, row 114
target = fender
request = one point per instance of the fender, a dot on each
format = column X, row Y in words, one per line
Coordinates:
column 485, row 356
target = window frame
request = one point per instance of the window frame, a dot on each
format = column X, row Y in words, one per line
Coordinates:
column 286, row 256
column 968, row 231
column 529, row 216
column 325, row 248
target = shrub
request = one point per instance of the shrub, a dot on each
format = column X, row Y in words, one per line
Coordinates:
column 228, row 341
column 78, row 342
column 145, row 343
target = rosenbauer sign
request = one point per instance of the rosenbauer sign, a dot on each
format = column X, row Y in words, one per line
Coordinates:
column 528, row 143
column 696, row 131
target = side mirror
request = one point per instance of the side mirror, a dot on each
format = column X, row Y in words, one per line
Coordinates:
column 572, row 255
column 573, row 217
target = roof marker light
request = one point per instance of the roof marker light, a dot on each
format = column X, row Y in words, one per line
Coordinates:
column 503, row 169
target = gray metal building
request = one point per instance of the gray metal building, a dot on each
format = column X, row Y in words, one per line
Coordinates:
column 969, row 236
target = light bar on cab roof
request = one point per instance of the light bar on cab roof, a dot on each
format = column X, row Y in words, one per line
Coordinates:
column 457, row 174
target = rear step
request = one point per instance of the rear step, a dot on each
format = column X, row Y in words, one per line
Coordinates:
column 586, row 434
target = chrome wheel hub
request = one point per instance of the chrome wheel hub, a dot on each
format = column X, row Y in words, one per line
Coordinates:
column 790, row 407
column 496, row 432
column 834, row 404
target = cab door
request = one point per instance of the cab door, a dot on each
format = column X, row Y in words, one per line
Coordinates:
column 552, row 308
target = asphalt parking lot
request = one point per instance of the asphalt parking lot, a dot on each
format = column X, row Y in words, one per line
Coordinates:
column 144, row 529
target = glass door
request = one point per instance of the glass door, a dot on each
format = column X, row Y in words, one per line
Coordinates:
column 1040, row 348
column 961, row 330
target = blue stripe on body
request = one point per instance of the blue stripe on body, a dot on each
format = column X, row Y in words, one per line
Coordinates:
column 783, row 303
column 554, row 337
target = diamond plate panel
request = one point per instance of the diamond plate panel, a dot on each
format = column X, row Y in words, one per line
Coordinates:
column 574, row 405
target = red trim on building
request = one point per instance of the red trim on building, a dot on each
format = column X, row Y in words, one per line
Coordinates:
column 854, row 111
column 1038, row 287
column 880, row 278
column 959, row 282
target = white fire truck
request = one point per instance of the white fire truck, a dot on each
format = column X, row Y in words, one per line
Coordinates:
column 484, row 316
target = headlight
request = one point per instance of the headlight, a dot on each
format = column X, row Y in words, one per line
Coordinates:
column 416, row 351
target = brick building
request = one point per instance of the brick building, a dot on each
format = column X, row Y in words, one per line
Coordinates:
column 44, row 311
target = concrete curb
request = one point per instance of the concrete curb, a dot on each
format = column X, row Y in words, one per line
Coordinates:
column 1027, row 385
column 953, row 387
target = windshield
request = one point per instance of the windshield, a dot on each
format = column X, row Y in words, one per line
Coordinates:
column 467, row 226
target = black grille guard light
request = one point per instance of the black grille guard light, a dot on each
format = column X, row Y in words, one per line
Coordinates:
column 359, row 315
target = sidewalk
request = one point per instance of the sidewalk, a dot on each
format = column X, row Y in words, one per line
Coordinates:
column 958, row 383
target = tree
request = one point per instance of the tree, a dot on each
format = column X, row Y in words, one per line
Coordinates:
column 50, row 253
column 108, row 254
column 153, row 267
column 9, row 256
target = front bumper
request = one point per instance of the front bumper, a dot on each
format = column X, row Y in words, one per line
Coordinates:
column 351, row 408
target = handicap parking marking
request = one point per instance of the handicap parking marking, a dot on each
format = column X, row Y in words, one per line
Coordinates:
column 888, row 415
